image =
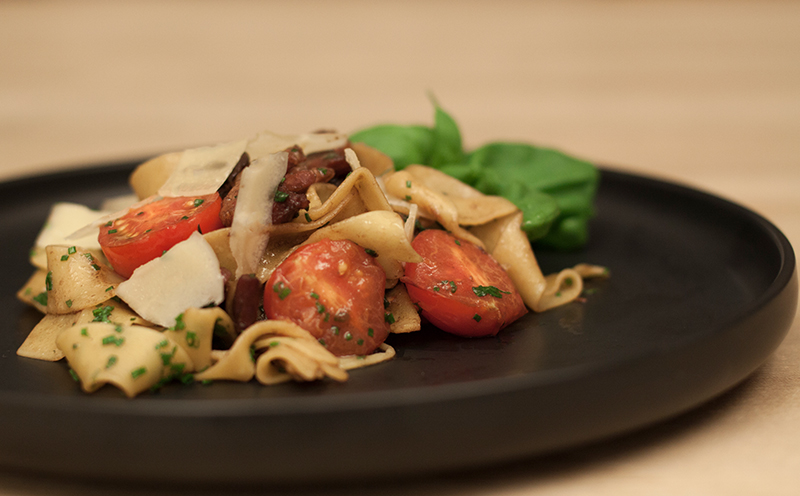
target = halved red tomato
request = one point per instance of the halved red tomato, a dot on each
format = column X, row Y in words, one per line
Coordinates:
column 460, row 288
column 334, row 290
column 147, row 232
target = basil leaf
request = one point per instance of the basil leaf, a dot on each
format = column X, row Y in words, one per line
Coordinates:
column 405, row 145
column 554, row 191
column 446, row 141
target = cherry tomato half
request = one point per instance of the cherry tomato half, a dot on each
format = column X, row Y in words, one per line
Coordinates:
column 334, row 290
column 147, row 232
column 460, row 288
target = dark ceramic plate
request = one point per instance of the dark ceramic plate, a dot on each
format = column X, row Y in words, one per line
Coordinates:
column 702, row 291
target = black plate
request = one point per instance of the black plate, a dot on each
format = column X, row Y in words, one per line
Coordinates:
column 702, row 291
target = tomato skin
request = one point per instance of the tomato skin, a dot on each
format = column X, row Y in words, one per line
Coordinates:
column 146, row 232
column 334, row 290
column 442, row 286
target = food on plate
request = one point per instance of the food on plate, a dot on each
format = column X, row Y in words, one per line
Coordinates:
column 287, row 258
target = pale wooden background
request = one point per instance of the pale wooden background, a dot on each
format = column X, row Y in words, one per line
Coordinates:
column 703, row 93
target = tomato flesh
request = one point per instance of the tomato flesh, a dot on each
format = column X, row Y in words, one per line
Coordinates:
column 147, row 232
column 460, row 288
column 334, row 290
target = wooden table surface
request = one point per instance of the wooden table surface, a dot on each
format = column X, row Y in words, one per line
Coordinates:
column 707, row 94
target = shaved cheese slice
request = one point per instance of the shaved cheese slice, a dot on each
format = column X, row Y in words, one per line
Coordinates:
column 201, row 171
column 249, row 230
column 351, row 158
column 65, row 219
column 267, row 143
column 188, row 275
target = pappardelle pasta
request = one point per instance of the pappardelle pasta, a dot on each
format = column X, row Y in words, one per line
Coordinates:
column 279, row 258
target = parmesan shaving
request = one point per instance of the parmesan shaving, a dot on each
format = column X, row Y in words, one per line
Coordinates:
column 267, row 143
column 201, row 171
column 187, row 275
column 253, row 215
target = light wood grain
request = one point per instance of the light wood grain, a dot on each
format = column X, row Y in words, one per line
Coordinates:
column 703, row 93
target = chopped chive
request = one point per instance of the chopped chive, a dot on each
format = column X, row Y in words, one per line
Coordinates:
column 360, row 342
column 179, row 324
column 308, row 217
column 48, row 281
column 371, row 252
column 135, row 374
column 74, row 375
column 389, row 318
column 348, row 336
column 41, row 299
column 198, row 202
column 101, row 313
column 282, row 289
column 166, row 358
column 192, row 340
column 112, row 231
column 408, row 183
column 476, row 318
column 281, row 196
column 111, row 361
column 64, row 258
column 370, row 332
column 482, row 291
column 320, row 307
column 335, row 330
column 111, row 339
column 408, row 197
column 71, row 250
column 69, row 303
